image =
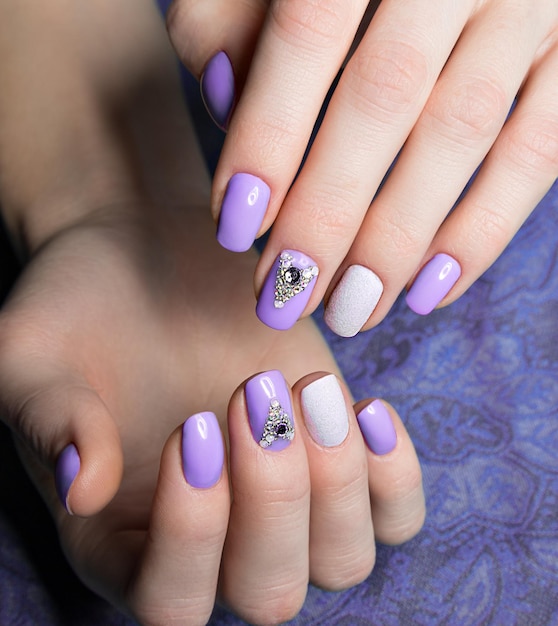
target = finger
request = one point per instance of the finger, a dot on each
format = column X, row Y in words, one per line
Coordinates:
column 521, row 167
column 175, row 580
column 265, row 560
column 378, row 100
column 461, row 120
column 215, row 39
column 342, row 549
column 394, row 474
column 59, row 420
column 301, row 48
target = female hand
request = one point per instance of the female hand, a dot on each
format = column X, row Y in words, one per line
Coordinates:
column 104, row 353
column 431, row 83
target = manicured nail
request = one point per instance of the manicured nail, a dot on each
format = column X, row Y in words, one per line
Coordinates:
column 269, row 410
column 287, row 289
column 433, row 283
column 353, row 300
column 377, row 428
column 242, row 212
column 67, row 468
column 325, row 411
column 203, row 453
column 217, row 89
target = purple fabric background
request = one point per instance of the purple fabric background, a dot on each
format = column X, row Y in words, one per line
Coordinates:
column 476, row 384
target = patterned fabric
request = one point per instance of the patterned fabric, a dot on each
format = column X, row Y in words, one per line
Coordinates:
column 476, row 384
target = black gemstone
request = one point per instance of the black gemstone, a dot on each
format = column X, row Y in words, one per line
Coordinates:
column 292, row 275
column 281, row 429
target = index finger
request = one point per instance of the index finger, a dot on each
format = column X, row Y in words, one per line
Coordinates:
column 302, row 46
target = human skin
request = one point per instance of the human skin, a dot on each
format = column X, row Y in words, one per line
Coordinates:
column 431, row 83
column 128, row 318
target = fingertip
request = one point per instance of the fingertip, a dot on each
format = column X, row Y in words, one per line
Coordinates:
column 89, row 470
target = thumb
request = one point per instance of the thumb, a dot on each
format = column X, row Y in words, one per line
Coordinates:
column 61, row 424
column 215, row 39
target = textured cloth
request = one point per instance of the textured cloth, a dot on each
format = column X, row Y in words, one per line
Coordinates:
column 477, row 386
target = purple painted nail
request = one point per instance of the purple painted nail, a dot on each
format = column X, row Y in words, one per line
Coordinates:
column 217, row 89
column 67, row 468
column 203, row 453
column 287, row 289
column 242, row 213
column 269, row 410
column 433, row 283
column 377, row 428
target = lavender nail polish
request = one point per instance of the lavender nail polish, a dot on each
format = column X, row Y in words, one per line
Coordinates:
column 203, row 452
column 242, row 212
column 269, row 410
column 377, row 428
column 433, row 283
column 287, row 289
column 217, row 89
column 67, row 468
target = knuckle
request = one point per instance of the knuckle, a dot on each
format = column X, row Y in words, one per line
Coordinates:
column 402, row 231
column 474, row 109
column 150, row 614
column 317, row 23
column 329, row 214
column 489, row 224
column 276, row 136
column 390, row 78
column 276, row 604
column 533, row 144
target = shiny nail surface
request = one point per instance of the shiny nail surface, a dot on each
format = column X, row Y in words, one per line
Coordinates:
column 433, row 283
column 353, row 300
column 67, row 468
column 242, row 212
column 377, row 428
column 325, row 411
column 218, row 90
column 269, row 410
column 287, row 289
column 203, row 452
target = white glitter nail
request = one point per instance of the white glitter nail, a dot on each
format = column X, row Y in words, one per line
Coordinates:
column 353, row 300
column 325, row 412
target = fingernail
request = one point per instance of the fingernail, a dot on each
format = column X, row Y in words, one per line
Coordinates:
column 325, row 412
column 242, row 212
column 269, row 410
column 217, row 89
column 287, row 289
column 203, row 452
column 377, row 428
column 353, row 300
column 433, row 283
column 67, row 468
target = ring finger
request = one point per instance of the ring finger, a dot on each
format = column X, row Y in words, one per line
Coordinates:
column 459, row 124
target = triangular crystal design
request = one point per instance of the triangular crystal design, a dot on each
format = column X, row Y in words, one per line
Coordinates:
column 277, row 426
column 291, row 280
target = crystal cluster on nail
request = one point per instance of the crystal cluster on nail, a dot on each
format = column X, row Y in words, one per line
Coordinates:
column 277, row 426
column 291, row 280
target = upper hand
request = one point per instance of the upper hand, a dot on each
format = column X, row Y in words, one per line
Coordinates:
column 431, row 83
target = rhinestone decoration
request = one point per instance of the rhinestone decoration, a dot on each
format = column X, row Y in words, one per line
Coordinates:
column 291, row 280
column 277, row 426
